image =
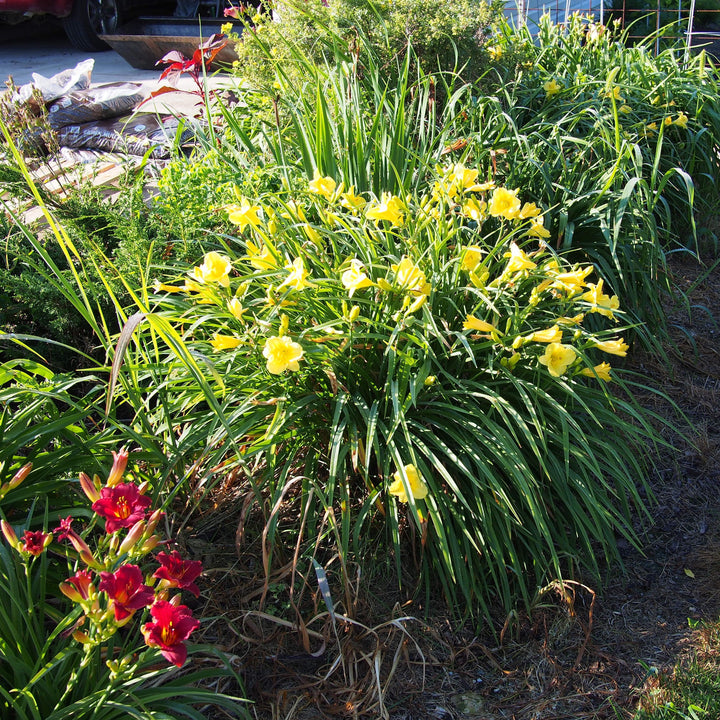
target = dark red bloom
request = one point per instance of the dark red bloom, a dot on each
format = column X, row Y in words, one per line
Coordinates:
column 35, row 541
column 121, row 506
column 177, row 572
column 173, row 624
column 65, row 528
column 125, row 588
column 81, row 581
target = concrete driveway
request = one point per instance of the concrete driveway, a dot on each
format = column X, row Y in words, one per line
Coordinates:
column 44, row 49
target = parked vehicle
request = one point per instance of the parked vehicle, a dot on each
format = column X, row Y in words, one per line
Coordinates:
column 83, row 20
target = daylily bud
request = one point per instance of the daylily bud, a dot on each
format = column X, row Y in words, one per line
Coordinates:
column 429, row 380
column 70, row 592
column 10, row 535
column 143, row 487
column 120, row 460
column 417, row 304
column 89, row 488
column 153, row 520
column 17, row 478
column 136, row 532
column 354, row 313
column 82, row 550
column 150, row 544
column 284, row 323
column 81, row 637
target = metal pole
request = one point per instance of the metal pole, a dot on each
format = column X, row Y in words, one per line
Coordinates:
column 657, row 30
column 688, row 40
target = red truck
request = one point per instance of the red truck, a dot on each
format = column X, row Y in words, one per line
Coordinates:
column 83, row 20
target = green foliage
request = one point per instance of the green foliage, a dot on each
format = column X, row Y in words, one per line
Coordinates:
column 446, row 36
column 327, row 401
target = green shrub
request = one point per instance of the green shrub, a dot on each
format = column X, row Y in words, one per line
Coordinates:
column 445, row 35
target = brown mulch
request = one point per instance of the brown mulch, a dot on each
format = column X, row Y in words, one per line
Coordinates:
column 585, row 651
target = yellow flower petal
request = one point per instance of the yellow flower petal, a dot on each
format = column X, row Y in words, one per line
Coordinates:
column 557, row 358
column 282, row 354
column 414, row 484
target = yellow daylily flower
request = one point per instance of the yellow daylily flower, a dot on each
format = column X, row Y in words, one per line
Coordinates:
column 410, row 277
column 682, row 120
column 312, row 234
column 602, row 302
column 549, row 335
column 297, row 279
column 224, row 342
column 537, row 228
column 572, row 282
column 667, row 121
column 518, row 260
column 236, row 309
column 354, row 278
column 557, row 358
column 613, row 347
column 474, row 323
column 465, row 178
column 282, row 354
column 244, row 214
column 625, row 109
column 261, row 258
column 471, row 258
column 157, row 287
column 214, row 269
column 474, row 210
column 388, row 208
column 351, row 201
column 601, row 371
column 551, row 87
column 529, row 210
column 322, row 185
column 414, row 483
column 504, row 203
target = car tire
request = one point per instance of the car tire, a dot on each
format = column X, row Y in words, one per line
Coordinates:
column 90, row 18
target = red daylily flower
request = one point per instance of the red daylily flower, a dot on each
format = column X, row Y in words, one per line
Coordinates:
column 179, row 573
column 177, row 63
column 173, row 624
column 79, row 586
column 125, row 588
column 35, row 541
column 65, row 528
column 121, row 506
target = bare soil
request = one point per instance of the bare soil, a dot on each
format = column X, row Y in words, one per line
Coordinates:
column 586, row 650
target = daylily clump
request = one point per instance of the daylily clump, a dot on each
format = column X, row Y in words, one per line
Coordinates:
column 112, row 588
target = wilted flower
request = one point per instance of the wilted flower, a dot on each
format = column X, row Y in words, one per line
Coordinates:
column 121, row 506
column 172, row 626
column 126, row 590
column 557, row 358
column 178, row 573
column 414, row 483
column 549, row 335
column 261, row 258
column 282, row 354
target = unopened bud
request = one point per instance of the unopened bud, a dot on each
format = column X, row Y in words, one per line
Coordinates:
column 417, row 304
column 284, row 324
column 354, row 313
column 120, row 460
column 81, row 637
column 150, row 544
column 10, row 535
column 136, row 532
column 82, row 550
column 19, row 476
column 153, row 520
column 89, row 488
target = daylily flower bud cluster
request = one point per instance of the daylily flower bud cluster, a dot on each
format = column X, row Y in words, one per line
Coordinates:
column 110, row 583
